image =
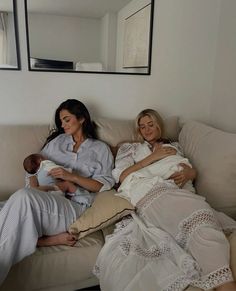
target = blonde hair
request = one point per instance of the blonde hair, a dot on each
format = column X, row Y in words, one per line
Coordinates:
column 156, row 118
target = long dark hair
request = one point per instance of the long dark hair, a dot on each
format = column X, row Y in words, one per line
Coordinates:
column 78, row 109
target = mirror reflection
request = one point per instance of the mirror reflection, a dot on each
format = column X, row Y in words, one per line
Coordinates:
column 95, row 36
column 9, row 51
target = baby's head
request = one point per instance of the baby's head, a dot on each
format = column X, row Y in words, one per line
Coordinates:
column 32, row 163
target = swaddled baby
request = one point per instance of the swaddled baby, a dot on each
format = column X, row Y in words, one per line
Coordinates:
column 39, row 169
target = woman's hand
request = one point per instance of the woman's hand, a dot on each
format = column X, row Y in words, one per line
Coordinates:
column 161, row 152
column 185, row 175
column 86, row 183
column 60, row 173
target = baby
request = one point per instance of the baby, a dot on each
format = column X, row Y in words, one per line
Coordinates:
column 39, row 168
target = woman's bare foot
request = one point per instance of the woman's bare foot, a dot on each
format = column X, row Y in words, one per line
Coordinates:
column 231, row 286
column 63, row 238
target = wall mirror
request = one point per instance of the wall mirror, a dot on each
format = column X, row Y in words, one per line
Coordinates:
column 90, row 36
column 9, row 43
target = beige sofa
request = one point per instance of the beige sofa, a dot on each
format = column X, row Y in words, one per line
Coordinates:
column 62, row 268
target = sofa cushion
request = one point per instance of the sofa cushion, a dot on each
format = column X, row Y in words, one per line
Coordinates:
column 17, row 141
column 115, row 131
column 105, row 210
column 50, row 268
column 213, row 153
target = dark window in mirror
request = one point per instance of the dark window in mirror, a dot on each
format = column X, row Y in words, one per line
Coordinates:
column 95, row 36
column 9, row 42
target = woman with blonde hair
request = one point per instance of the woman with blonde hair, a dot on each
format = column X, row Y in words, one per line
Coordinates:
column 175, row 238
column 153, row 147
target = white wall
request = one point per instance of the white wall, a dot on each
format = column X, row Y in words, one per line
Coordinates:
column 59, row 37
column 183, row 59
column 223, row 101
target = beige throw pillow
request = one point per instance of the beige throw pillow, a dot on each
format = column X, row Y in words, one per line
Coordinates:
column 105, row 210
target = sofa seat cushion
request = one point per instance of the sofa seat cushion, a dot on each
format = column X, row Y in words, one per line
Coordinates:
column 213, row 153
column 54, row 266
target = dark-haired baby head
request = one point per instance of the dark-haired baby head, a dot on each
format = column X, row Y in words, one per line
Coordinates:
column 32, row 162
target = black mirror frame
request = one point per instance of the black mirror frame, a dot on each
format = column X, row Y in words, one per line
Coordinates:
column 15, row 15
column 91, row 72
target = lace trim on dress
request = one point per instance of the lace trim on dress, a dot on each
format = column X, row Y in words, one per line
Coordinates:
column 120, row 226
column 214, row 279
column 180, row 284
column 203, row 217
column 190, row 268
column 127, row 246
column 123, row 223
column 127, row 149
column 156, row 191
column 96, row 271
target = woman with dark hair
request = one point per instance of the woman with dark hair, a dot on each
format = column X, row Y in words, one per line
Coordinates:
column 78, row 109
column 30, row 214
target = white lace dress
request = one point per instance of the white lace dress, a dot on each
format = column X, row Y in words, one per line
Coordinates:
column 174, row 240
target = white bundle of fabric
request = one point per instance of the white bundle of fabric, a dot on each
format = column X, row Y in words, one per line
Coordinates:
column 136, row 185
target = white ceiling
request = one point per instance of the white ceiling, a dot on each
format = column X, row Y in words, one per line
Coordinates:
column 82, row 8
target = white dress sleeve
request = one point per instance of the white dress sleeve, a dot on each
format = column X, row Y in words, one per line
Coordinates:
column 124, row 159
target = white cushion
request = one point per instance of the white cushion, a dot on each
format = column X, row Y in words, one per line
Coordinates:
column 115, row 131
column 213, row 153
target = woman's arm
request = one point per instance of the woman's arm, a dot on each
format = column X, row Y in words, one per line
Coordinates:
column 97, row 154
column 33, row 183
column 185, row 175
column 101, row 164
column 158, row 154
column 87, row 183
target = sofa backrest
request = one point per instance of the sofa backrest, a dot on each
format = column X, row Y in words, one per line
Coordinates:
column 115, row 131
column 213, row 153
column 18, row 141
